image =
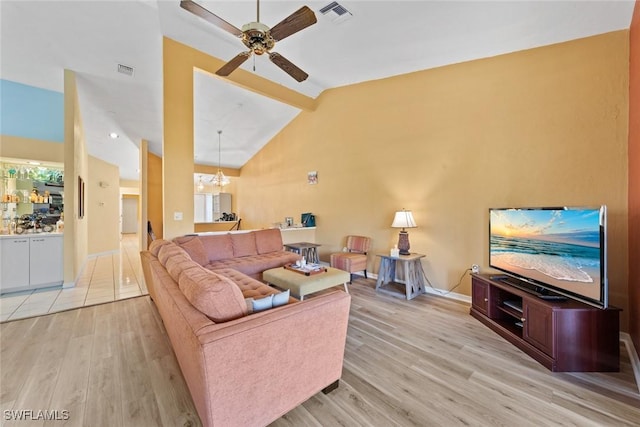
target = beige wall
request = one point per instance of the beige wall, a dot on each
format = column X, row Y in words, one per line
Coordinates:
column 154, row 194
column 28, row 148
column 634, row 178
column 102, row 204
column 76, row 161
column 541, row 127
column 179, row 64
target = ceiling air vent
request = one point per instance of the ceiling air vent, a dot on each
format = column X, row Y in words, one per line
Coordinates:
column 336, row 12
column 125, row 69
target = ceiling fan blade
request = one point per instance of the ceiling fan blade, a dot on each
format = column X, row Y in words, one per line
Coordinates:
column 288, row 67
column 293, row 23
column 230, row 66
column 203, row 13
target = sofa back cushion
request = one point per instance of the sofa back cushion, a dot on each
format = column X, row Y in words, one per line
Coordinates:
column 194, row 247
column 269, row 240
column 168, row 251
column 218, row 247
column 214, row 295
column 155, row 246
column 244, row 244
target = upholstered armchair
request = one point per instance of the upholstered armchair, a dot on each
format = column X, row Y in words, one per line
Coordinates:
column 355, row 259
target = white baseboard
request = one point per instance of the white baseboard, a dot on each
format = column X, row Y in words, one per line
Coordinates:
column 633, row 356
column 430, row 290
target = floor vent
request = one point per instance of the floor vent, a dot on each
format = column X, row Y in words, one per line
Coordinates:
column 336, row 12
column 125, row 69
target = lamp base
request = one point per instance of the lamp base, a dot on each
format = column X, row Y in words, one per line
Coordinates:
column 403, row 243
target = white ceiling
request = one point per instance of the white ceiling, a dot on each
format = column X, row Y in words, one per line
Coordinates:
column 39, row 39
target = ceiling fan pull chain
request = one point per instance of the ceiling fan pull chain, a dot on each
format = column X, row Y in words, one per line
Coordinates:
column 254, row 63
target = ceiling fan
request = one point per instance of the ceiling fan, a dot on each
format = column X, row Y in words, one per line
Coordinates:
column 258, row 37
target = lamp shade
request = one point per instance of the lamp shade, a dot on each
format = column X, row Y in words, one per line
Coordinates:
column 403, row 219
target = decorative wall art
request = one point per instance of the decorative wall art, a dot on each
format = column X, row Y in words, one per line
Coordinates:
column 312, row 177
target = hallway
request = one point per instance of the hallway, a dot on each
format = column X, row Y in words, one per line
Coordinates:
column 105, row 278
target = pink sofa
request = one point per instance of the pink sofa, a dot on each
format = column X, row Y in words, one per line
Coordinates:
column 244, row 369
column 250, row 253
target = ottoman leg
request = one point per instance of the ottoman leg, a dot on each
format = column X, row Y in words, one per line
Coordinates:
column 345, row 287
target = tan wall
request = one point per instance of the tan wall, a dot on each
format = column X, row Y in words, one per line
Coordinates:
column 75, row 165
column 102, row 206
column 179, row 64
column 634, row 178
column 541, row 127
column 154, row 192
column 28, row 148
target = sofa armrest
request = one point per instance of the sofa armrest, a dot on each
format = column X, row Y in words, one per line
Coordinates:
column 260, row 367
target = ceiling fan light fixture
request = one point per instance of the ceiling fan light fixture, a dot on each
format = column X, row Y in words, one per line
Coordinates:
column 259, row 38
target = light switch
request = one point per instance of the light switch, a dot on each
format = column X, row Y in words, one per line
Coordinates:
column 177, row 216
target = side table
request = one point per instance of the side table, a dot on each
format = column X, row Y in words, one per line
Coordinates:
column 308, row 250
column 413, row 275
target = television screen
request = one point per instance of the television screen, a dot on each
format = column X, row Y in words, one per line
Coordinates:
column 560, row 249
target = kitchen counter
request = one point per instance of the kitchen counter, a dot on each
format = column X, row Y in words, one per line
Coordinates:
column 9, row 236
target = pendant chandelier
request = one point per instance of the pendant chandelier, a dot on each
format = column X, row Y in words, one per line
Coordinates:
column 219, row 179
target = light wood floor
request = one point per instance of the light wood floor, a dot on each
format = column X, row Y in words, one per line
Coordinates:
column 424, row 362
column 104, row 278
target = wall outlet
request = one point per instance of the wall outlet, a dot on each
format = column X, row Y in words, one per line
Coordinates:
column 177, row 216
column 475, row 268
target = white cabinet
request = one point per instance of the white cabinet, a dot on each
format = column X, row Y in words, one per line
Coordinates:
column 14, row 255
column 31, row 261
column 221, row 204
column 45, row 261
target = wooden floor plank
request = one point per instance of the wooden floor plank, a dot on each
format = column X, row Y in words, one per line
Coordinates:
column 423, row 362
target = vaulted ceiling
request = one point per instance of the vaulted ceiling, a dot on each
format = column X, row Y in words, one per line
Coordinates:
column 373, row 40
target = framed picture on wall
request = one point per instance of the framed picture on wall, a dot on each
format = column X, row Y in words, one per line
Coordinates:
column 80, row 197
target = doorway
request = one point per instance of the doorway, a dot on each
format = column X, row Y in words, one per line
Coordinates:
column 129, row 214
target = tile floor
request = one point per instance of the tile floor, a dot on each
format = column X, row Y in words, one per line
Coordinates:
column 105, row 278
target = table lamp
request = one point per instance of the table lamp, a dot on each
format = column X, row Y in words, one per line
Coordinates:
column 403, row 219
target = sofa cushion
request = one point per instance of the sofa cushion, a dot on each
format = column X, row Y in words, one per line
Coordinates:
column 214, row 295
column 250, row 288
column 244, row 244
column 155, row 246
column 170, row 250
column 176, row 265
column 256, row 264
column 218, row 246
column 269, row 240
column 194, row 247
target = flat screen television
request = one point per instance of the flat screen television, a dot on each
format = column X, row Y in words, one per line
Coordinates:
column 554, row 250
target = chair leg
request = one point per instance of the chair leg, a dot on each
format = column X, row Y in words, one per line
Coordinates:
column 365, row 274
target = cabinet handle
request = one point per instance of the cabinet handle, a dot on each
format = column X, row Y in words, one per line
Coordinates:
column 522, row 319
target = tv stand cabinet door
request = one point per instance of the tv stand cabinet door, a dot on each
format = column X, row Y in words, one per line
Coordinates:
column 538, row 326
column 480, row 296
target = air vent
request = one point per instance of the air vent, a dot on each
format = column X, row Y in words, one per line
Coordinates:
column 336, row 12
column 125, row 69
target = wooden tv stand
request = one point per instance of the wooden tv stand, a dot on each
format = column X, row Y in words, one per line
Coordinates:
column 564, row 336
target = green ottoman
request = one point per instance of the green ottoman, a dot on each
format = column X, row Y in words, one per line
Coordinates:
column 301, row 285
